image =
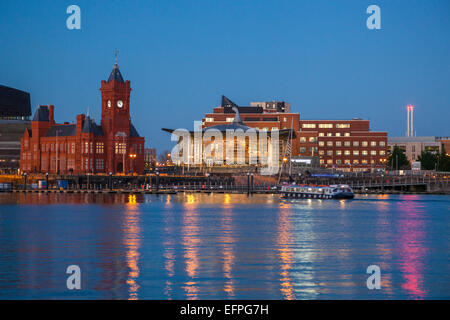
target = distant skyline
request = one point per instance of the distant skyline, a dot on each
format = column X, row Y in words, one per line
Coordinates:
column 181, row 56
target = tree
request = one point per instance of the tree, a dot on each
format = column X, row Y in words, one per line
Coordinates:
column 443, row 161
column 427, row 160
column 397, row 160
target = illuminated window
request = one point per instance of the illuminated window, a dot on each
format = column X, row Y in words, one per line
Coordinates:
column 321, row 143
column 302, row 150
column 321, row 134
column 373, row 143
column 329, row 152
column 356, row 143
column 229, row 119
column 338, row 143
column 364, row 143
column 99, row 147
column 364, row 152
column 382, row 143
column 355, row 161
column 312, row 139
column 347, row 152
column 302, row 139
column 347, row 134
column 329, row 143
column 329, row 161
column 355, row 152
column 339, row 152
column 382, row 152
column 326, row 125
column 120, row 148
column 373, row 153
column 86, row 148
column 338, row 134
column 347, row 161
column 309, row 125
column 342, row 125
column 347, row 143
column 329, row 134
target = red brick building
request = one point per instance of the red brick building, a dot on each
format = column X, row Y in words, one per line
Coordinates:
column 347, row 145
column 113, row 146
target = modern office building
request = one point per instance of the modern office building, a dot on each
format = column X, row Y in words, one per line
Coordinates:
column 84, row 147
column 15, row 110
column 414, row 146
column 346, row 145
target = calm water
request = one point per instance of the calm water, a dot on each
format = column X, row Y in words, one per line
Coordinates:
column 198, row 246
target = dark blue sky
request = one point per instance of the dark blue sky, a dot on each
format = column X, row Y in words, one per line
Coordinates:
column 181, row 56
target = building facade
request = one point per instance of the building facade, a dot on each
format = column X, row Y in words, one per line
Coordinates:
column 113, row 146
column 15, row 110
column 414, row 146
column 346, row 145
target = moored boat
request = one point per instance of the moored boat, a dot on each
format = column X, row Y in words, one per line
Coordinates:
column 336, row 191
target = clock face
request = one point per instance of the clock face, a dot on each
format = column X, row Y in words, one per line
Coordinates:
column 109, row 103
column 119, row 104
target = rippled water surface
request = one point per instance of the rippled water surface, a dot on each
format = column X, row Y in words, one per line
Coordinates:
column 200, row 246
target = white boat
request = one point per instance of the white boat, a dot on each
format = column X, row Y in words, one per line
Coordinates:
column 335, row 191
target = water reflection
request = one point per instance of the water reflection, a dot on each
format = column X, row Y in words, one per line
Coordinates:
column 132, row 244
column 412, row 250
column 203, row 246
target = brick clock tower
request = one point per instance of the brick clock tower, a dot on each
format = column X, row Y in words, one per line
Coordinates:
column 122, row 141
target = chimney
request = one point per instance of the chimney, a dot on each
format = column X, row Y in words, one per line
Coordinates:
column 51, row 114
column 80, row 119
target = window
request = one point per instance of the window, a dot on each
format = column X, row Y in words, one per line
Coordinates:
column 338, row 161
column 99, row 164
column 321, row 143
column 339, row 152
column 382, row 152
column 347, row 134
column 302, row 139
column 364, row 153
column 330, row 152
column 91, row 148
column 73, row 147
column 86, row 163
column 321, row 134
column 121, row 148
column 86, row 148
column 312, row 139
column 329, row 134
column 99, row 148
column 373, row 153
column 338, row 143
column 342, row 125
column 302, row 150
column 326, row 125
column 364, row 143
column 329, row 143
column 364, row 161
column 382, row 143
column 71, row 164
column 347, row 143
column 355, row 152
column 321, row 152
column 309, row 125
column 347, row 161
column 229, row 119
column 209, row 119
column 338, row 134
column 329, row 161
column 274, row 128
column 356, row 143
column 347, row 152
column 373, row 143
column 355, row 161
column 313, row 150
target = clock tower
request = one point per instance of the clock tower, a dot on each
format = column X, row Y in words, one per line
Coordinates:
column 116, row 120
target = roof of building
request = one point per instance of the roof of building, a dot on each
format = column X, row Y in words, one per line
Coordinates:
column 133, row 131
column 64, row 130
column 411, row 139
column 89, row 126
column 41, row 114
column 14, row 103
column 115, row 74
